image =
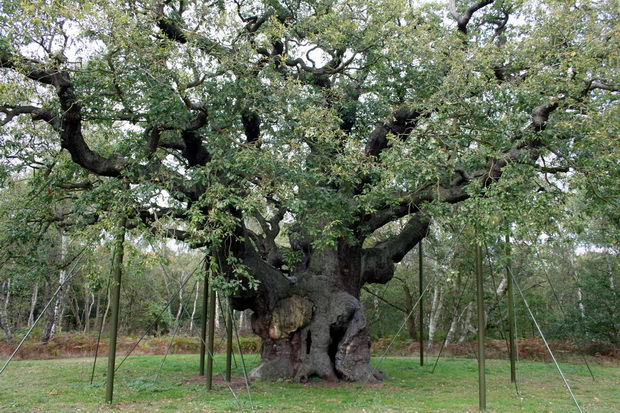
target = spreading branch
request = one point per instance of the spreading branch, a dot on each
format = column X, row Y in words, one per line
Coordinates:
column 378, row 261
column 463, row 19
column 69, row 123
column 36, row 114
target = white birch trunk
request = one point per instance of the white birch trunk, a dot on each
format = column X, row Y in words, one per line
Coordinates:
column 245, row 321
column 191, row 321
column 87, row 310
column 218, row 314
column 436, row 309
column 33, row 304
column 501, row 288
column 466, row 324
column 582, row 308
column 5, row 295
column 452, row 330
column 107, row 308
column 58, row 304
column 180, row 309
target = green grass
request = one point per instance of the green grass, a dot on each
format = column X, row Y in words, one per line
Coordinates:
column 63, row 386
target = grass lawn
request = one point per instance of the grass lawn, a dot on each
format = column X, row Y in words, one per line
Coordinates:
column 63, row 386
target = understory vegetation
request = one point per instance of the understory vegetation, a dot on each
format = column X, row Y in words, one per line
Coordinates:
column 63, row 386
column 570, row 283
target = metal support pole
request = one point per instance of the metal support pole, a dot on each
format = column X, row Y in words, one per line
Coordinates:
column 210, row 342
column 117, row 271
column 229, row 339
column 203, row 319
column 421, row 287
column 511, row 315
column 482, row 391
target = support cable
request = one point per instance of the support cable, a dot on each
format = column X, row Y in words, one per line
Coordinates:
column 225, row 336
column 245, row 372
column 542, row 336
column 561, row 307
column 406, row 319
column 458, row 304
column 67, row 280
column 117, row 273
column 92, row 373
column 229, row 336
column 157, row 318
column 458, row 237
column 177, row 327
column 211, row 338
column 227, row 385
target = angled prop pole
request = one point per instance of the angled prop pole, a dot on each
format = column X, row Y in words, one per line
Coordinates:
column 482, row 388
column 203, row 319
column 245, row 371
column 211, row 341
column 117, row 271
column 511, row 315
column 229, row 338
column 421, row 286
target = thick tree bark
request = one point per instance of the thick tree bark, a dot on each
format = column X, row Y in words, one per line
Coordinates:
column 315, row 333
column 314, row 325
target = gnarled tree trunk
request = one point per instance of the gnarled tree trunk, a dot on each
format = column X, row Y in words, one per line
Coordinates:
column 317, row 327
column 311, row 322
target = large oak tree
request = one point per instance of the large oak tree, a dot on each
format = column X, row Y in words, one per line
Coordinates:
column 282, row 135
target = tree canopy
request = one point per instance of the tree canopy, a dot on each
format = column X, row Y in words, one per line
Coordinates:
column 284, row 134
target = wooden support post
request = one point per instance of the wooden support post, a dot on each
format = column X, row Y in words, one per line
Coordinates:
column 117, row 271
column 229, row 339
column 421, row 286
column 511, row 315
column 203, row 319
column 210, row 342
column 482, row 391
